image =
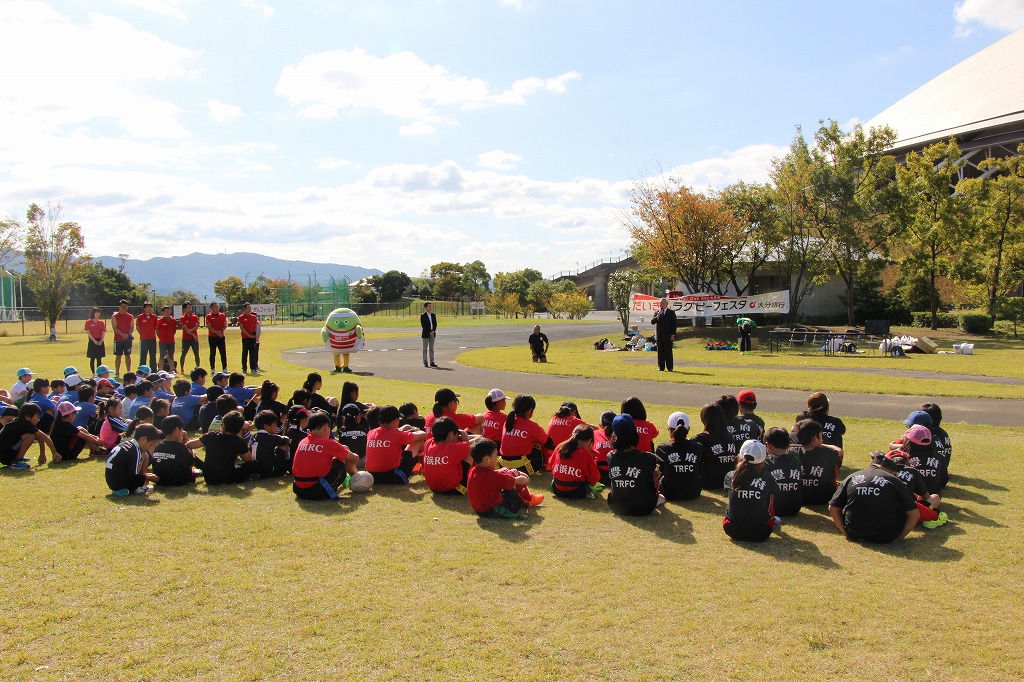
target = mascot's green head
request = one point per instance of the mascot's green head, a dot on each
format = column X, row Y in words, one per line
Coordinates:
column 342, row 320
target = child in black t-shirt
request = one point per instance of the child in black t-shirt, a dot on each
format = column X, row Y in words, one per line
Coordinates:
column 941, row 441
column 223, row 449
column 411, row 416
column 270, row 450
column 633, row 474
column 680, row 461
column 539, row 345
column 128, row 462
column 17, row 437
column 172, row 460
column 69, row 440
column 784, row 466
column 352, row 430
column 719, row 458
column 748, row 403
column 750, row 515
column 819, row 463
column 298, row 417
column 832, row 428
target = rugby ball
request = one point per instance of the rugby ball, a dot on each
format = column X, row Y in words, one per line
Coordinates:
column 361, row 482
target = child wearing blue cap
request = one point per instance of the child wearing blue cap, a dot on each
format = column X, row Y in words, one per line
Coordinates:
column 633, row 473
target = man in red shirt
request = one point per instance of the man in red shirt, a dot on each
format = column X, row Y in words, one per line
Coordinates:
column 216, row 325
column 250, row 351
column 145, row 323
column 321, row 466
column 189, row 334
column 166, row 329
column 123, row 324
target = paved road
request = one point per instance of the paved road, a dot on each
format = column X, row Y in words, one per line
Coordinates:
column 400, row 358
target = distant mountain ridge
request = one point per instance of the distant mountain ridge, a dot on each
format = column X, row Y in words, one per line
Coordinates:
column 197, row 272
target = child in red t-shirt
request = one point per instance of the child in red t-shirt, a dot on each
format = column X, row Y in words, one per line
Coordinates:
column 646, row 431
column 524, row 441
column 574, row 471
column 603, row 444
column 391, row 450
column 564, row 421
column 446, row 459
column 497, row 491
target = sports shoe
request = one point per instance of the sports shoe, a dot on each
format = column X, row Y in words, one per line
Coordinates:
column 120, row 492
column 776, row 522
column 142, row 489
column 336, row 370
column 941, row 521
column 348, row 479
column 433, row 365
column 346, row 370
column 536, row 499
column 19, row 464
column 417, row 468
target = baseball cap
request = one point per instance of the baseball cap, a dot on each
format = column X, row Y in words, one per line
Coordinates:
column 817, row 401
column 352, row 410
column 297, row 412
column 65, row 408
column 221, row 375
column 753, row 451
column 444, row 396
column 496, row 394
column 143, row 369
column 623, row 426
column 919, row 435
column 69, row 370
column 102, row 369
column 73, row 380
column 165, row 375
column 25, row 372
column 746, row 396
column 918, row 417
column 894, row 459
column 103, row 383
column 677, row 419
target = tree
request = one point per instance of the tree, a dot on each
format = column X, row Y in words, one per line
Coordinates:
column 539, row 293
column 10, row 237
column 800, row 256
column 1001, row 218
column 260, row 290
column 754, row 208
column 621, row 285
column 476, row 283
column 103, row 286
column 1012, row 308
column 517, row 283
column 504, row 304
column 231, row 290
column 684, row 234
column 55, row 261
column 177, row 297
column 389, row 286
column 851, row 184
column 935, row 219
column 447, row 279
column 573, row 304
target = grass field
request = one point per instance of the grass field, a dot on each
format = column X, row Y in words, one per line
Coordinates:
column 246, row 583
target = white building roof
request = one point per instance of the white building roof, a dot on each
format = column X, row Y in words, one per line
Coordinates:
column 984, row 91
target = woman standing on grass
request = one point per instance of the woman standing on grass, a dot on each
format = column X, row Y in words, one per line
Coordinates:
column 96, row 329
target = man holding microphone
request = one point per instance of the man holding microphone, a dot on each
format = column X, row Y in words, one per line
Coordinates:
column 665, row 331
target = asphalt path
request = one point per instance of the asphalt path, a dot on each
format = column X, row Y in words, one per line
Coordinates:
column 400, row 358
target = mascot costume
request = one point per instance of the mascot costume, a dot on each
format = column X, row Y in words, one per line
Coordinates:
column 342, row 334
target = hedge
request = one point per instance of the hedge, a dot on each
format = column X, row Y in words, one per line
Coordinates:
column 975, row 324
column 945, row 320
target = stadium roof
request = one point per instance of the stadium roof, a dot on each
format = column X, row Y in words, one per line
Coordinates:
column 980, row 101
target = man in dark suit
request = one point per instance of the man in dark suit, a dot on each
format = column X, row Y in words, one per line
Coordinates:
column 428, row 324
column 665, row 330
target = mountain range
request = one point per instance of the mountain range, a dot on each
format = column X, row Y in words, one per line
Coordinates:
column 197, row 272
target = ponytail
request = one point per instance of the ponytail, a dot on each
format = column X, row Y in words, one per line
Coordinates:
column 745, row 471
column 679, row 435
column 580, row 435
column 140, row 414
column 521, row 405
column 438, row 410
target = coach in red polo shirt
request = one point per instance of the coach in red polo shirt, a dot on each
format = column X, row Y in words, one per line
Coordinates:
column 216, row 325
column 122, row 323
column 145, row 324
column 166, row 328
column 250, row 351
column 189, row 322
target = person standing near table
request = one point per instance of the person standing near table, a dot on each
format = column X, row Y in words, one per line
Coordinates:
column 665, row 330
column 428, row 325
column 123, row 325
column 216, row 325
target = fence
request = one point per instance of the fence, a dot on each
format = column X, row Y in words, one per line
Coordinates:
column 72, row 321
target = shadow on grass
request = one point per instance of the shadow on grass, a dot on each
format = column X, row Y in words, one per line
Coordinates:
column 8, row 471
column 666, row 524
column 364, row 374
column 965, row 515
column 923, row 545
column 133, row 500
column 960, row 480
column 406, row 493
column 965, row 495
column 793, row 550
column 456, row 502
column 346, row 503
column 510, row 530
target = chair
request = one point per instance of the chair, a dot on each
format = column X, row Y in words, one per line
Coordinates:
column 798, row 337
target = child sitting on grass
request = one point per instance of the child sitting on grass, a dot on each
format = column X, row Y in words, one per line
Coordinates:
column 495, row 491
column 446, row 459
column 223, row 449
column 750, row 515
column 322, row 466
column 633, row 473
column 270, row 450
column 69, row 440
column 113, row 426
column 18, row 436
column 172, row 461
column 128, row 463
column 680, row 461
column 819, row 463
column 391, row 450
column 573, row 465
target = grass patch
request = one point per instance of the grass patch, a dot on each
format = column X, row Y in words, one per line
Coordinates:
column 246, row 583
column 576, row 357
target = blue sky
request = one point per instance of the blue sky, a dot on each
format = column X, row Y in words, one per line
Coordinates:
column 400, row 134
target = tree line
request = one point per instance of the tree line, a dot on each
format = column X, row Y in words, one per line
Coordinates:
column 896, row 235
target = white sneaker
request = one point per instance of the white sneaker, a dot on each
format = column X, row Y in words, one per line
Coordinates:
column 142, row 490
column 661, row 500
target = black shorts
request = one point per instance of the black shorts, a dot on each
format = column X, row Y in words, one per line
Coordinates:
column 123, row 347
column 120, row 482
column 510, row 505
column 574, row 490
column 758, row 533
column 460, row 489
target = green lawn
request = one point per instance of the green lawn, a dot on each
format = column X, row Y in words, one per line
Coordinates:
column 246, row 583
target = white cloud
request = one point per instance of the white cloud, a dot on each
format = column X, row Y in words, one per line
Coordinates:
column 223, row 113
column 400, row 85
column 330, row 163
column 168, row 7
column 85, row 74
column 498, row 160
column 1003, row 15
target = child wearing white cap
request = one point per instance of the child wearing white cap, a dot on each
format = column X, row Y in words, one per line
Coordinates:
column 750, row 515
column 492, row 425
column 680, row 461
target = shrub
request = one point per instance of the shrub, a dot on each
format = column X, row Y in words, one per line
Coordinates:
column 945, row 320
column 974, row 324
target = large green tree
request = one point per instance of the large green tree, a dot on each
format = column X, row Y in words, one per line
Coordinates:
column 518, row 283
column 935, row 219
column 447, row 280
column 55, row 258
column 476, row 283
column 231, row 290
column 390, row 285
column 103, row 286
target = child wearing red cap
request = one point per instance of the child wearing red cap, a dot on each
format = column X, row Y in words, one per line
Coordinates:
column 748, row 403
